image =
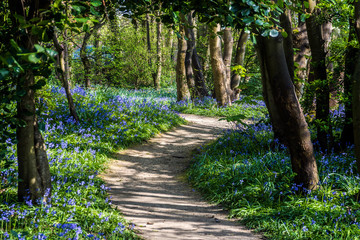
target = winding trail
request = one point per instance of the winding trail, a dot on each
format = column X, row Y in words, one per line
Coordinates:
column 147, row 185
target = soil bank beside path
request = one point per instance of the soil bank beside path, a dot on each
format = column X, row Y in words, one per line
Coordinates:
column 146, row 185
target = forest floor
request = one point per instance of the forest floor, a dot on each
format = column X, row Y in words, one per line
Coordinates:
column 149, row 186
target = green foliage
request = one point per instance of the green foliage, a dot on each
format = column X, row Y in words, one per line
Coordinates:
column 244, row 173
column 239, row 70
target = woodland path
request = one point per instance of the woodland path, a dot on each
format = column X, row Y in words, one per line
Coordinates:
column 147, row 185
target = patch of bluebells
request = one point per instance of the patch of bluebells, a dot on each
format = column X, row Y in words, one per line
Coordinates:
column 77, row 153
column 251, row 175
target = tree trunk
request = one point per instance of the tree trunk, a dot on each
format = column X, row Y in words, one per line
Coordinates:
column 218, row 67
column 85, row 60
column 66, row 59
column 278, row 84
column 33, row 168
column 239, row 60
column 317, row 46
column 181, row 83
column 188, row 58
column 83, row 55
column 228, row 49
column 98, row 57
column 301, row 42
column 356, row 91
column 194, row 72
column 356, row 112
column 159, row 55
column 351, row 57
column 286, row 24
column 61, row 72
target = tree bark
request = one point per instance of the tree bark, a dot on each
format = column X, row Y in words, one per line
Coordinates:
column 181, row 83
column 159, row 55
column 61, row 72
column 356, row 112
column 218, row 67
column 188, row 58
column 228, row 49
column 356, row 91
column 34, row 174
column 285, row 20
column 317, row 46
column 279, row 87
column 351, row 57
column 239, row 60
column 194, row 72
column 301, row 42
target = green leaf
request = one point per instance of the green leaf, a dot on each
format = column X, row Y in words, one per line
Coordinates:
column 96, row 3
column 259, row 22
column 94, row 12
column 39, row 48
column 248, row 20
column 253, row 39
column 284, row 34
column 50, row 52
column 273, row 33
column 4, row 72
column 303, row 17
column 306, row 4
column 15, row 45
column 178, row 35
column 81, row 20
column 33, row 58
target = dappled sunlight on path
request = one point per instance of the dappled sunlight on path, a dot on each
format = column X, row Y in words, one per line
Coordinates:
column 147, row 185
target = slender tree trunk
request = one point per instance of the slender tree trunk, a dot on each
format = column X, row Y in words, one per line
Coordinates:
column 188, row 58
column 61, row 72
column 318, row 54
column 228, row 49
column 194, row 72
column 159, row 55
column 239, row 60
column 199, row 76
column 33, row 168
column 278, row 84
column 301, row 42
column 218, row 68
column 66, row 59
column 98, row 57
column 183, row 92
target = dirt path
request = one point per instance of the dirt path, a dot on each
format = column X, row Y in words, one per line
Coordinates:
column 146, row 185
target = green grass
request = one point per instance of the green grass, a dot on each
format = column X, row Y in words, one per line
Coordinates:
column 254, row 182
column 245, row 108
